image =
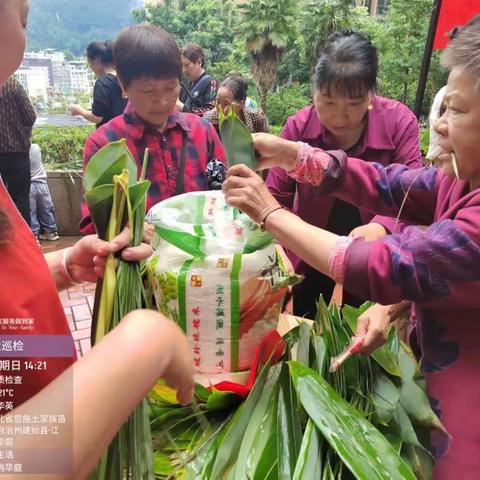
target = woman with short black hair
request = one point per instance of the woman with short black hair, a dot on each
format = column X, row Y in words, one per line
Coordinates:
column 347, row 114
column 232, row 93
column 108, row 100
column 185, row 152
column 199, row 96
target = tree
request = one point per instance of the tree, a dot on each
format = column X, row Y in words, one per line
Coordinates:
column 210, row 23
column 267, row 26
column 318, row 19
column 401, row 42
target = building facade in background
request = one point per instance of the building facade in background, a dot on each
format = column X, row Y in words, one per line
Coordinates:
column 49, row 73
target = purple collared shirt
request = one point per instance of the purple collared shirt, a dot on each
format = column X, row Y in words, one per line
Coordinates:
column 391, row 136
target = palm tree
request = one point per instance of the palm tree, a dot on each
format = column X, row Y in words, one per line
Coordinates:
column 318, row 19
column 267, row 26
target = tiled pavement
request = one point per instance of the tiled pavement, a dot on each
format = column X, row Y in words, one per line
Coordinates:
column 77, row 301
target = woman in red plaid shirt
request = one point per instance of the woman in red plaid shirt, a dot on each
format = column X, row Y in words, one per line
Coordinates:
column 186, row 154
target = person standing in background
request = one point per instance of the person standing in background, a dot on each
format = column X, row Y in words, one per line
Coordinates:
column 199, row 96
column 232, row 93
column 108, row 99
column 42, row 213
column 17, row 117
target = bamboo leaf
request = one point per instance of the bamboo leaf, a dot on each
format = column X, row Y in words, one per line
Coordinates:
column 260, row 419
column 237, row 141
column 138, row 193
column 100, row 201
column 406, row 430
column 385, row 398
column 412, row 398
column 362, row 448
column 303, row 345
column 309, row 463
column 164, row 394
column 288, row 426
column 267, row 468
column 383, row 355
column 229, row 442
column 116, row 168
column 201, row 392
column 218, row 400
column 421, row 462
column 392, row 434
column 320, row 353
column 104, row 158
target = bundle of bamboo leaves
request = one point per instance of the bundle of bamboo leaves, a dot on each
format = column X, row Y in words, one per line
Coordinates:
column 369, row 420
column 115, row 199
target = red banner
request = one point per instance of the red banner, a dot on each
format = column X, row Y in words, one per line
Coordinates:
column 452, row 14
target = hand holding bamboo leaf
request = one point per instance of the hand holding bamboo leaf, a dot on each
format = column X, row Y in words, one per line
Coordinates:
column 273, row 151
column 373, row 325
column 246, row 190
column 86, row 259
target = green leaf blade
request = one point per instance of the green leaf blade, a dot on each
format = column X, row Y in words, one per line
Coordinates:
column 362, row 448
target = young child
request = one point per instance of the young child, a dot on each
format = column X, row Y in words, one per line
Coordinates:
column 42, row 213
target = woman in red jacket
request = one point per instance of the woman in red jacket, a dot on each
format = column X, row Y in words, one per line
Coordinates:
column 123, row 366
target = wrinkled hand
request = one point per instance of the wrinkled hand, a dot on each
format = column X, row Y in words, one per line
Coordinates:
column 86, row 259
column 369, row 232
column 75, row 110
column 374, row 324
column 274, row 151
column 244, row 189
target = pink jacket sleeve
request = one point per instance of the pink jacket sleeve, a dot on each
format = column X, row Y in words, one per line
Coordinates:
column 438, row 266
column 382, row 190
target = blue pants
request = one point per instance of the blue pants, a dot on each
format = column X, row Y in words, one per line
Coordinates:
column 42, row 213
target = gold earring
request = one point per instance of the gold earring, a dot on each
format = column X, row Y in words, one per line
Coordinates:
column 124, row 94
column 370, row 107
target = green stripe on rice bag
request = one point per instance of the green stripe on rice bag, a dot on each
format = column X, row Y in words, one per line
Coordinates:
column 218, row 276
column 181, row 295
column 235, row 310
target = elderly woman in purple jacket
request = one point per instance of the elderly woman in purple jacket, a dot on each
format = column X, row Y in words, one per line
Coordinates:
column 346, row 115
column 438, row 267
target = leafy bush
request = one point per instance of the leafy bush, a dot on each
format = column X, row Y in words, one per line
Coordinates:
column 424, row 140
column 62, row 147
column 286, row 102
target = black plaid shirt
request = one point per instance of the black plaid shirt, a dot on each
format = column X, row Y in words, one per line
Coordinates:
column 17, row 117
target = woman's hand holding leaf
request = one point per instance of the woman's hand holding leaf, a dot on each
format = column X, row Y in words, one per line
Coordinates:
column 86, row 259
column 374, row 324
column 246, row 190
column 274, row 151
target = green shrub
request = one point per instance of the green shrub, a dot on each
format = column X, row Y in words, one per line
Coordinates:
column 286, row 102
column 424, row 140
column 276, row 129
column 62, row 147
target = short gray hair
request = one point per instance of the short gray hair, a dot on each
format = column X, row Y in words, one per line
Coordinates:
column 463, row 51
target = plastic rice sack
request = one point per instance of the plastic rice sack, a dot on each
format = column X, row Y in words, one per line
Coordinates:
column 218, row 276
